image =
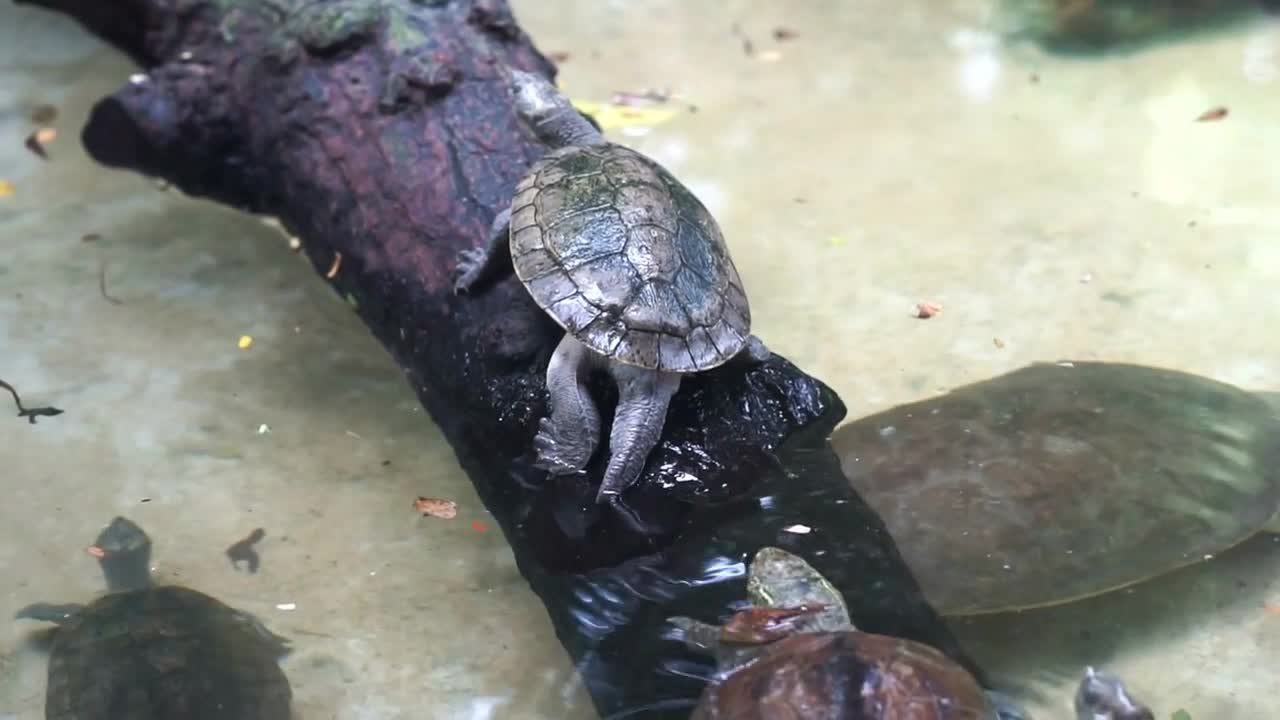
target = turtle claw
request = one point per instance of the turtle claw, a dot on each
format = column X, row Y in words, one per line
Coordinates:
column 554, row 454
column 470, row 264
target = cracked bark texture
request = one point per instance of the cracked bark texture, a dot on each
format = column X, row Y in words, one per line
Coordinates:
column 381, row 131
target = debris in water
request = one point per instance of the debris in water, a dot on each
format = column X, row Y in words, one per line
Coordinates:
column 479, row 526
column 333, row 269
column 287, row 606
column 926, row 310
column 44, row 114
column 263, row 429
column 1212, row 114
column 998, row 343
column 36, row 141
column 242, row 551
column 245, row 342
column 558, row 57
column 6, row 188
column 90, row 237
column 627, row 98
column 29, row 413
column 798, row 529
column 782, row 34
column 1180, row 714
column 102, row 285
column 436, row 507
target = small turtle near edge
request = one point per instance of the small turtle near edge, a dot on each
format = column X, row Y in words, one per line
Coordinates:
column 796, row 654
column 635, row 269
column 148, row 652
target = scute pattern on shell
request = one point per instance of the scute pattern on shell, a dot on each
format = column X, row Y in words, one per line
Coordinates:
column 627, row 259
column 164, row 652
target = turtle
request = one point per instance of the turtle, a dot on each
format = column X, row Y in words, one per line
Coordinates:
column 144, row 651
column 1103, row 696
column 633, row 267
column 1063, row 481
column 796, row 654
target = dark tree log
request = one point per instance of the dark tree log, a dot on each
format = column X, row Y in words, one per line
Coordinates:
column 380, row 133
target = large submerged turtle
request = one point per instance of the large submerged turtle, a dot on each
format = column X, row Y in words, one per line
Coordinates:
column 1062, row 481
column 634, row 268
column 796, row 654
column 150, row 653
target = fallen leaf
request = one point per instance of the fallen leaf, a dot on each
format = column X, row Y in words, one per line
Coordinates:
column 43, row 114
column 926, row 310
column 6, row 188
column 436, row 507
column 997, row 342
column 1212, row 114
column 479, row 526
column 245, row 342
column 613, row 117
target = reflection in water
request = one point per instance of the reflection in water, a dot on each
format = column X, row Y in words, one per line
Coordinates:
column 1057, row 482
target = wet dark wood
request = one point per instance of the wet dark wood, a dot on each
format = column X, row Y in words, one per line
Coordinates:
column 381, row 136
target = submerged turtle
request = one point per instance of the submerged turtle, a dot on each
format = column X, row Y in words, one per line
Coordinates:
column 634, row 268
column 1063, row 481
column 144, row 652
column 796, row 654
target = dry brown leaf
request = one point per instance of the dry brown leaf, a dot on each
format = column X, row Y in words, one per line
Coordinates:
column 436, row 507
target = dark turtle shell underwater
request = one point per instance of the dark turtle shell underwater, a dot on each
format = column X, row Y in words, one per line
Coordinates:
column 1062, row 481
column 162, row 653
column 626, row 258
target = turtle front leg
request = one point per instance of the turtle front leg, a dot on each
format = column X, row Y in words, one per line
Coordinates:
column 48, row 612
column 569, row 434
column 476, row 263
column 643, row 397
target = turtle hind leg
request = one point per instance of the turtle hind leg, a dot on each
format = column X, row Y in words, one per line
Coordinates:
column 643, row 397
column 475, row 264
column 48, row 612
column 568, row 436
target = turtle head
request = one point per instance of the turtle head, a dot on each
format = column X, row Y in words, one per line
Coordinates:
column 1102, row 696
column 124, row 554
column 779, row 579
column 548, row 112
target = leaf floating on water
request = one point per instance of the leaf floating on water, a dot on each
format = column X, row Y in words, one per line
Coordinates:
column 436, row 507
column 6, row 188
column 244, row 342
column 613, row 117
column 1180, row 714
column 1212, row 114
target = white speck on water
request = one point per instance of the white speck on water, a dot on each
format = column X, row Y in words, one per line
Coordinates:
column 888, row 431
column 138, row 78
column 287, row 606
column 798, row 529
column 263, row 429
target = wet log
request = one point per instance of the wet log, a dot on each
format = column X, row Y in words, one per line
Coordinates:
column 380, row 133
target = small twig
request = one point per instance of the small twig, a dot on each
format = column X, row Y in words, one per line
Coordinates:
column 29, row 413
column 102, row 284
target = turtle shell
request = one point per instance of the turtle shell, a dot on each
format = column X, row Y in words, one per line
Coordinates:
column 165, row 652
column 1059, row 482
column 848, row 675
column 627, row 260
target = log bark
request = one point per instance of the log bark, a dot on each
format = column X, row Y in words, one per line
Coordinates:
column 380, row 133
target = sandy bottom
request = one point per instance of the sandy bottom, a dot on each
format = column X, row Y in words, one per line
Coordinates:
column 889, row 153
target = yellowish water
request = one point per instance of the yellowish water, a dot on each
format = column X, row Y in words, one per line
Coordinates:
column 890, row 153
